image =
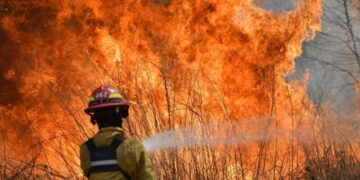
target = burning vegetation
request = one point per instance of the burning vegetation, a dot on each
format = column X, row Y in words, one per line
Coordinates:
column 181, row 64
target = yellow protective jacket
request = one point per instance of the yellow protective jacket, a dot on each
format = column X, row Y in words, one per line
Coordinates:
column 131, row 157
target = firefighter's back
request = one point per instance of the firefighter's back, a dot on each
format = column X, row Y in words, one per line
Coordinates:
column 131, row 158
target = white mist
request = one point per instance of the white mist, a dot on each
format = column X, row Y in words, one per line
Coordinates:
column 243, row 132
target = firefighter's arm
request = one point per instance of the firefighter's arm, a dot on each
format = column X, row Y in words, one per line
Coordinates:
column 145, row 169
column 134, row 160
column 85, row 161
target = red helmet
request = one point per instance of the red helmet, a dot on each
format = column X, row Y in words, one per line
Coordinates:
column 105, row 96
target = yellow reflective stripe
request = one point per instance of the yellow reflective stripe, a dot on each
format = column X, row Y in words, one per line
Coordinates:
column 115, row 95
column 91, row 98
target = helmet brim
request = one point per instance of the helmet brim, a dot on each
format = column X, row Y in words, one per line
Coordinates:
column 91, row 109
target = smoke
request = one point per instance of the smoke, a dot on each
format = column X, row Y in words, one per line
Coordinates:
column 331, row 62
column 278, row 5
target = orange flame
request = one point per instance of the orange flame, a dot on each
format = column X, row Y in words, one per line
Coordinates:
column 181, row 63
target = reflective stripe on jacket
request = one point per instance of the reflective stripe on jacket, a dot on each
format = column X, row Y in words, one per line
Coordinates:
column 131, row 157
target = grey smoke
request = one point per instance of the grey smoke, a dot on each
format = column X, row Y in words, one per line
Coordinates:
column 333, row 69
column 279, row 5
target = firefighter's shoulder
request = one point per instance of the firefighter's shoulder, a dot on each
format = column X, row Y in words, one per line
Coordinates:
column 129, row 154
column 131, row 146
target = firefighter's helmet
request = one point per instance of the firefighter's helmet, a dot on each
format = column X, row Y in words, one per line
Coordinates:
column 105, row 96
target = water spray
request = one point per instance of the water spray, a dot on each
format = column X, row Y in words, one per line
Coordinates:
column 236, row 132
column 240, row 132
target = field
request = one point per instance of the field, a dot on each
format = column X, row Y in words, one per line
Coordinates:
column 213, row 87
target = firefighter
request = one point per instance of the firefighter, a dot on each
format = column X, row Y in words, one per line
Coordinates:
column 109, row 154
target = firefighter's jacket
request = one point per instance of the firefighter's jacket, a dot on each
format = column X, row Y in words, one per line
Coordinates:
column 131, row 157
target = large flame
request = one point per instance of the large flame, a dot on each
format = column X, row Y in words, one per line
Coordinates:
column 180, row 63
